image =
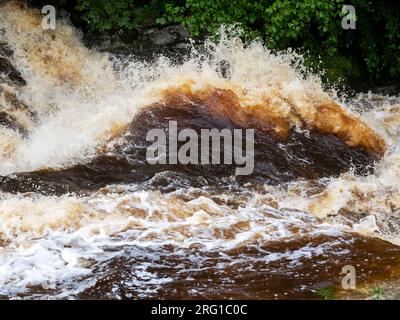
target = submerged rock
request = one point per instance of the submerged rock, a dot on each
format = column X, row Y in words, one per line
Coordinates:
column 9, row 74
column 282, row 153
column 5, row 50
column 14, row 114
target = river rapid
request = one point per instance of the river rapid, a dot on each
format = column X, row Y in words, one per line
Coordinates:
column 84, row 215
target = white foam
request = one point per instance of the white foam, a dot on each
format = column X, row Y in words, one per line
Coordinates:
column 82, row 104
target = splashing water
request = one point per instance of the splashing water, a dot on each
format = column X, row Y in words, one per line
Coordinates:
column 129, row 231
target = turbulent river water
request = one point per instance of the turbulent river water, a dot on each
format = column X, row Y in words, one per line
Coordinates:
column 83, row 215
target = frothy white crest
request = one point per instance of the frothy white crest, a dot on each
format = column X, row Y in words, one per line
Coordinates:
column 53, row 239
column 82, row 102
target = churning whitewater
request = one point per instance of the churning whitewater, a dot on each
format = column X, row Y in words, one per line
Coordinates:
column 83, row 215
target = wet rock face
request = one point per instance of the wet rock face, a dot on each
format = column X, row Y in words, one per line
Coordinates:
column 10, row 122
column 165, row 36
column 5, row 50
column 277, row 159
column 392, row 90
column 14, row 113
column 9, row 74
column 148, row 39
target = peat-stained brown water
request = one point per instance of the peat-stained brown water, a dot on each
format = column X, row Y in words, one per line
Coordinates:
column 84, row 215
column 304, row 268
column 256, row 272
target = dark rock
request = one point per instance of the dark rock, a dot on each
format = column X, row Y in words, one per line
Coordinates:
column 103, row 41
column 9, row 74
column 165, row 36
column 391, row 90
column 300, row 156
column 9, row 121
column 10, row 81
column 150, row 38
column 5, row 50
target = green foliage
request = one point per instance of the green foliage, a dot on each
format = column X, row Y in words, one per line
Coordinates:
column 103, row 15
column 283, row 23
column 377, row 293
column 326, row 293
column 308, row 25
column 304, row 22
column 313, row 27
column 378, row 37
column 203, row 17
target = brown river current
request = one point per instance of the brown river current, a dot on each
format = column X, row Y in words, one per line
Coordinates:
column 83, row 215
